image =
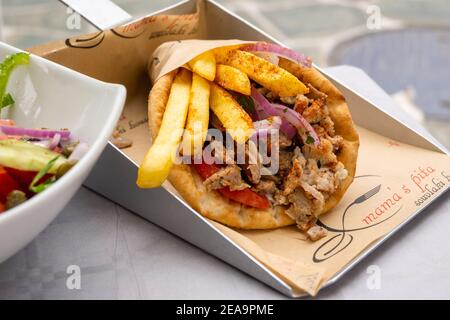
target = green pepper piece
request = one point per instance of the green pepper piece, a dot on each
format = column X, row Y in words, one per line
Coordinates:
column 6, row 68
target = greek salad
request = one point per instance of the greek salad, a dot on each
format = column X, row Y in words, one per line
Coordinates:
column 31, row 159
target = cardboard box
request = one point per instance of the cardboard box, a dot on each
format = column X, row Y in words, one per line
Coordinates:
column 400, row 170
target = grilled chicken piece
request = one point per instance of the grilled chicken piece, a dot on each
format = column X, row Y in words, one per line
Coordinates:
column 229, row 176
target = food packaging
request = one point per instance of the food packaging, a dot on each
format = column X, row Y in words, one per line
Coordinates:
column 400, row 170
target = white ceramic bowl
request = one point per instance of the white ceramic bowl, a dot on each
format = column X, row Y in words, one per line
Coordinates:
column 52, row 96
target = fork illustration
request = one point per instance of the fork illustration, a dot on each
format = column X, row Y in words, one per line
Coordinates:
column 342, row 232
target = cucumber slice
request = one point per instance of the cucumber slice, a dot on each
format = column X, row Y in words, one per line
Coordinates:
column 26, row 156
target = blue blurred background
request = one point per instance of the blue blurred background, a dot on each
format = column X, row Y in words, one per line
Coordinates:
column 404, row 45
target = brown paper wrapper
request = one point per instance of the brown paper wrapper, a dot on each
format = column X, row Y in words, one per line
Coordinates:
column 393, row 180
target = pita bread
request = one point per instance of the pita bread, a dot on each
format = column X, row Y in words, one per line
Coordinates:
column 212, row 204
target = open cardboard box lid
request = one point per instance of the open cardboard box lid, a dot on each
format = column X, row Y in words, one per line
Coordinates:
column 406, row 167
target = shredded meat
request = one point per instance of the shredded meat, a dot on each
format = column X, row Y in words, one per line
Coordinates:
column 252, row 166
column 336, row 141
column 300, row 209
column 306, row 182
column 323, row 153
column 268, row 94
column 317, row 196
column 316, row 232
column 340, row 174
column 288, row 100
column 315, row 112
column 275, row 145
column 285, row 162
column 253, row 173
column 229, row 176
column 275, row 178
column 328, row 125
column 307, row 174
column 301, row 103
column 221, row 154
column 311, row 169
column 280, row 199
column 266, row 187
column 299, row 156
column 325, row 181
column 319, row 130
column 263, row 91
column 293, row 179
column 272, row 96
column 284, row 141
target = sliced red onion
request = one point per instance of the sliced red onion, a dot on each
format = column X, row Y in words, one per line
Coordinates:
column 260, row 110
column 72, row 138
column 80, row 150
column 7, row 122
column 42, row 143
column 288, row 129
column 34, row 133
column 272, row 58
column 279, row 51
column 49, row 143
column 297, row 120
column 264, row 110
column 290, row 116
column 55, row 141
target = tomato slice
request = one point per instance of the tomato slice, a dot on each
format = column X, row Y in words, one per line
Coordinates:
column 24, row 178
column 246, row 196
column 206, row 170
column 7, row 122
column 7, row 184
column 2, row 207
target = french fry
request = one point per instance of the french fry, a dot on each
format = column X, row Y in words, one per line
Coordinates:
column 160, row 158
column 198, row 117
column 221, row 53
column 232, row 79
column 204, row 65
column 235, row 120
column 265, row 73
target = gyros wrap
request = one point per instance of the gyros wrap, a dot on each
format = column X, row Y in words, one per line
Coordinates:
column 256, row 88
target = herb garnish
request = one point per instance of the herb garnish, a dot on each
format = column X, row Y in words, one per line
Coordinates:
column 41, row 187
column 309, row 140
